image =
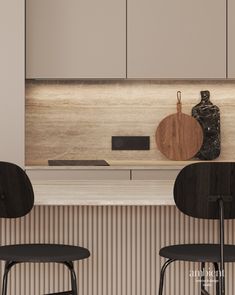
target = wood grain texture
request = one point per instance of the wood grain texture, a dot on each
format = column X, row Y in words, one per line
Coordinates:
column 103, row 193
column 76, row 119
column 179, row 137
column 124, row 242
column 16, row 192
column 197, row 183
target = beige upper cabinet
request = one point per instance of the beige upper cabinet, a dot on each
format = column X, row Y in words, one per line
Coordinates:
column 231, row 39
column 177, row 39
column 12, row 81
column 76, row 39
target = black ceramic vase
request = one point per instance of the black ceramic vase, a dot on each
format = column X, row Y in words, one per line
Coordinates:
column 208, row 115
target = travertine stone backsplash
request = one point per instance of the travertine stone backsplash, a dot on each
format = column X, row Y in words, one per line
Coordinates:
column 76, row 119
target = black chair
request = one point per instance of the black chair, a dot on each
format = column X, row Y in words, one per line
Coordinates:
column 204, row 190
column 16, row 200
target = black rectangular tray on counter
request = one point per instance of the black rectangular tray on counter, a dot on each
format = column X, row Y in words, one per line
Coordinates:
column 77, row 163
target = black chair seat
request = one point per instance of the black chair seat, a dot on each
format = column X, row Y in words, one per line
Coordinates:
column 42, row 253
column 198, row 252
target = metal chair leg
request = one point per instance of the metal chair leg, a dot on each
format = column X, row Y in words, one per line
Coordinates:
column 221, row 280
column 222, row 264
column 216, row 266
column 203, row 289
column 8, row 266
column 203, row 278
column 69, row 264
column 162, row 275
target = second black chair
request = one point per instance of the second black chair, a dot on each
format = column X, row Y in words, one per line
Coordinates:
column 207, row 191
column 16, row 200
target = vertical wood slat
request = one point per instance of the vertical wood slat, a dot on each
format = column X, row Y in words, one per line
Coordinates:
column 124, row 242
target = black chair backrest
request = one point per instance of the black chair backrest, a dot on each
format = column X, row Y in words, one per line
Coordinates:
column 16, row 192
column 198, row 187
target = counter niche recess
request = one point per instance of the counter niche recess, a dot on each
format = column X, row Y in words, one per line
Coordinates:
column 76, row 119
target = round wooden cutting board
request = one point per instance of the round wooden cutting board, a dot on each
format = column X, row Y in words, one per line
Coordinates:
column 179, row 136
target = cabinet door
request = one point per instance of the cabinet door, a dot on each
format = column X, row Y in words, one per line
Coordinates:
column 76, row 175
column 154, row 174
column 76, row 38
column 12, row 81
column 176, row 39
column 231, row 39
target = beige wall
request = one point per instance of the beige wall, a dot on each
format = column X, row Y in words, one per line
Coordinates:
column 75, row 119
column 12, row 81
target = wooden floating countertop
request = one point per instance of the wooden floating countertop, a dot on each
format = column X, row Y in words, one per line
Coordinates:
column 104, row 193
column 121, row 165
column 62, row 192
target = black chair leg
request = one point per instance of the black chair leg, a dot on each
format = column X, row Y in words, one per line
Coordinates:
column 162, row 275
column 69, row 264
column 202, row 278
column 217, row 286
column 203, row 289
column 221, row 281
column 8, row 266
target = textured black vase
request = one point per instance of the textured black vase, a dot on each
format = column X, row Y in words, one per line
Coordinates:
column 208, row 115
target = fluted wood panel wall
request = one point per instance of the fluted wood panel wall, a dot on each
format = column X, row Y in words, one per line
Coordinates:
column 124, row 242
